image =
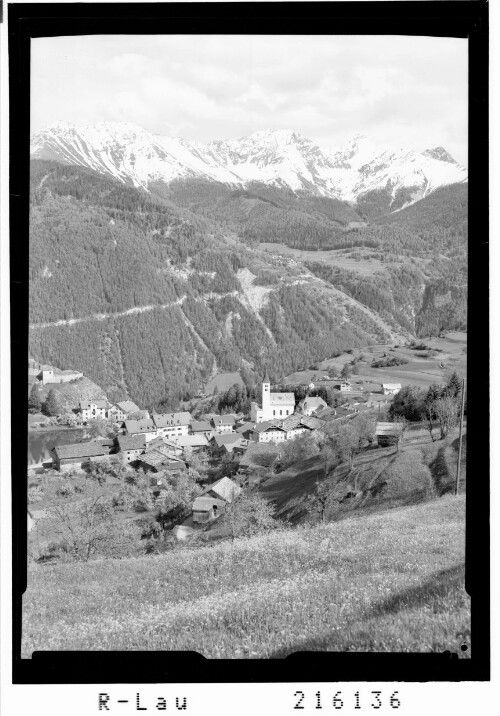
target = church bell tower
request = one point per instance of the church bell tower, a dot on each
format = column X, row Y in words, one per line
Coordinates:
column 266, row 392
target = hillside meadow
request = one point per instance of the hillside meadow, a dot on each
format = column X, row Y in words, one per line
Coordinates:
column 393, row 581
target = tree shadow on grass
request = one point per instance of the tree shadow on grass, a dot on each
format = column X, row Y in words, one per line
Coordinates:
column 443, row 481
column 438, row 586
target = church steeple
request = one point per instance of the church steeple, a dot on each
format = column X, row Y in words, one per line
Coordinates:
column 266, row 390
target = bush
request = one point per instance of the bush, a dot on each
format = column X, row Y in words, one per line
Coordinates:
column 35, row 493
column 389, row 362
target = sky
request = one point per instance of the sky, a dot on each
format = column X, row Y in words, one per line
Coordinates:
column 410, row 91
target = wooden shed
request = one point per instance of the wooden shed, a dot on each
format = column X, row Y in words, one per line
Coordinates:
column 388, row 434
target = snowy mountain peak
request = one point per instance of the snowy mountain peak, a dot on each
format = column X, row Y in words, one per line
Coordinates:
column 439, row 153
column 281, row 157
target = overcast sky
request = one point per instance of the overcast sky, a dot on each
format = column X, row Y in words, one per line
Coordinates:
column 406, row 90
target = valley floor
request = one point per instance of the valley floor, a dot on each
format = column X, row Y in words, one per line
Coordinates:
column 393, row 581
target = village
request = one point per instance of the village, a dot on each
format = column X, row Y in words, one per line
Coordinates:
column 166, row 443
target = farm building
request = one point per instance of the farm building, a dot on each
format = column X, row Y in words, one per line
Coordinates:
column 311, row 405
column 158, row 460
column 131, row 446
column 207, row 508
column 297, row 424
column 388, row 434
column 391, row 388
column 191, row 441
column 229, row 442
column 77, row 454
column 224, row 489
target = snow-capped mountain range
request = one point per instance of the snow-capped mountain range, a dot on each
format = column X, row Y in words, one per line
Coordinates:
column 279, row 157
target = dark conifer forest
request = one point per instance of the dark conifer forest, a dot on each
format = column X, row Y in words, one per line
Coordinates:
column 146, row 292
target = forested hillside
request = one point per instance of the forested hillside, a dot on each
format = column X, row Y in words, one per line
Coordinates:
column 143, row 291
column 145, row 298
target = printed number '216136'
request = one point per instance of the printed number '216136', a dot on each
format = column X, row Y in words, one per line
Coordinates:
column 354, row 701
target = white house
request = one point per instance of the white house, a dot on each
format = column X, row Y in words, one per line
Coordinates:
column 93, row 409
column 141, row 427
column 172, row 425
column 274, row 405
column 223, row 423
column 311, row 404
column 269, row 431
column 391, row 388
column 121, row 411
column 344, row 386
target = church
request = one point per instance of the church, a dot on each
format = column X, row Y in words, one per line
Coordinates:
column 274, row 405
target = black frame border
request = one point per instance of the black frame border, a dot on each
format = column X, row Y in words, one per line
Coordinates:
column 453, row 18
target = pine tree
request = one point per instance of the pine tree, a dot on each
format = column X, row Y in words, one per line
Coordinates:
column 34, row 402
column 51, row 405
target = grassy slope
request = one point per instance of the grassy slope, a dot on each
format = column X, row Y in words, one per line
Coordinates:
column 390, row 582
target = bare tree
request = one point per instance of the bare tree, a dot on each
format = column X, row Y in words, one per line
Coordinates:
column 447, row 412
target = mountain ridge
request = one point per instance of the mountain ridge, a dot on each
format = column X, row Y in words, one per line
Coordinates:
column 281, row 158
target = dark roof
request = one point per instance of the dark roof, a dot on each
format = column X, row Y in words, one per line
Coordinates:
column 127, row 406
column 131, row 442
column 86, row 404
column 245, row 427
column 168, row 420
column 93, row 449
column 268, row 425
column 281, row 398
column 388, row 429
column 140, row 426
column 223, row 420
column 225, row 488
column 205, row 504
column 155, row 458
column 312, row 402
column 227, row 439
column 200, row 426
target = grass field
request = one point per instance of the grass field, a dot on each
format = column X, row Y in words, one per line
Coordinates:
column 363, row 266
column 388, row 582
column 451, row 356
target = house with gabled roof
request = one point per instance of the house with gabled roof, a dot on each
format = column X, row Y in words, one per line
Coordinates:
column 77, row 454
column 172, row 425
column 206, row 509
column 131, row 446
column 224, row 489
column 269, row 431
column 311, row 405
column 191, row 441
column 122, row 410
column 223, row 423
column 91, row 409
column 229, row 442
column 141, row 427
column 274, row 405
column 157, row 459
column 391, row 388
column 201, row 427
